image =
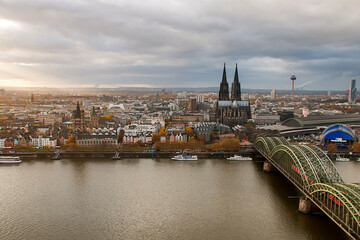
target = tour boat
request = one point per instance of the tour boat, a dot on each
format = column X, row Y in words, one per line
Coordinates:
column 9, row 159
column 239, row 158
column 185, row 156
column 342, row 159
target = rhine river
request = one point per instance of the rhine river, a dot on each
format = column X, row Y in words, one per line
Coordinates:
column 155, row 199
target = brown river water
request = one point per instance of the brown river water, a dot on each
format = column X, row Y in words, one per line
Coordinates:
column 156, row 199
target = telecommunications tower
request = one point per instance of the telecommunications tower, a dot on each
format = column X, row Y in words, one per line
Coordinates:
column 292, row 78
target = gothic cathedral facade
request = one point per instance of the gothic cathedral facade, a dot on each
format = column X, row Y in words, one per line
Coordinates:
column 230, row 109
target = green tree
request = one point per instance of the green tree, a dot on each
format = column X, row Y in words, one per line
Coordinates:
column 356, row 147
column 230, row 144
column 250, row 125
column 121, row 135
column 71, row 141
column 189, row 131
column 332, row 148
column 167, row 121
column 155, row 137
column 196, row 145
column 162, row 131
column 108, row 117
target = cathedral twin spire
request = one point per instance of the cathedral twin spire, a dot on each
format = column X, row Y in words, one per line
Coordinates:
column 235, row 88
column 224, row 87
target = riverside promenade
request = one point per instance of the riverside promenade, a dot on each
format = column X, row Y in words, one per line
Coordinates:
column 249, row 151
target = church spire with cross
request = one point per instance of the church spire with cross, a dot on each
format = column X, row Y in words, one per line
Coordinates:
column 235, row 87
column 224, row 87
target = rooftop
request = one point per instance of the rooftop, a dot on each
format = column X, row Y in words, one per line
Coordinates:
column 312, row 121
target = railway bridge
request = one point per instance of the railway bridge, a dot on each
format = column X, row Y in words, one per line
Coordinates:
column 315, row 175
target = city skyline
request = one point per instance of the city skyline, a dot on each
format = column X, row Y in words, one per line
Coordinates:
column 109, row 44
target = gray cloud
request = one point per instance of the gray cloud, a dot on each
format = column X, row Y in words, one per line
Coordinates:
column 179, row 43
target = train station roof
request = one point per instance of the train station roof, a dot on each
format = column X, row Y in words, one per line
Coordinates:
column 324, row 120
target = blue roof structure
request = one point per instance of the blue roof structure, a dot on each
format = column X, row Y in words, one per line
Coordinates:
column 338, row 131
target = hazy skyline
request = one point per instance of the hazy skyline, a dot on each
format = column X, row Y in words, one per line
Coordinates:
column 104, row 43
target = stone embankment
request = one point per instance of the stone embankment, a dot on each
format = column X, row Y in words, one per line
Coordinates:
column 148, row 154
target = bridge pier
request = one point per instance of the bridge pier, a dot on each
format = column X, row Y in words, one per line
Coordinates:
column 307, row 206
column 268, row 167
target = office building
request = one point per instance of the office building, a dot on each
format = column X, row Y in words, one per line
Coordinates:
column 273, row 94
column 352, row 92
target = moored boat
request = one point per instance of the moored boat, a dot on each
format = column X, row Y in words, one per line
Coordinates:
column 342, row 159
column 9, row 159
column 239, row 158
column 185, row 156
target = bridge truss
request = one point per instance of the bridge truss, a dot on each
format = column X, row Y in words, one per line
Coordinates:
column 313, row 173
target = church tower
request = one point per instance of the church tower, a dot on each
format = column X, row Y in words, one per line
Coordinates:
column 94, row 122
column 235, row 87
column 79, row 120
column 224, row 88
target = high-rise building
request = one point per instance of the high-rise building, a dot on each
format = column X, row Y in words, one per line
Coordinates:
column 200, row 98
column 352, row 92
column 273, row 94
column 231, row 111
column 192, row 104
column 329, row 93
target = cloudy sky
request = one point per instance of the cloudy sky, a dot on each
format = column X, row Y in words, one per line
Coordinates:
column 179, row 43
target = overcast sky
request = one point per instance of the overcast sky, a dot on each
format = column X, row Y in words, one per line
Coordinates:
column 179, row 43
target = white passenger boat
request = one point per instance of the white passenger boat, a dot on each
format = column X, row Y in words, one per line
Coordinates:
column 239, row 158
column 342, row 159
column 9, row 159
column 185, row 156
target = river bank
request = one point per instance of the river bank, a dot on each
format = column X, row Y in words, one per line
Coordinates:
column 131, row 154
column 248, row 152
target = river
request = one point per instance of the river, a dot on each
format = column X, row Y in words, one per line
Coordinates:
column 155, row 199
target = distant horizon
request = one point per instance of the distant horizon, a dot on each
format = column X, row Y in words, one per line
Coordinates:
column 211, row 89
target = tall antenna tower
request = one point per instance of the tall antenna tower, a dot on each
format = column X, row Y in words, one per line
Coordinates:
column 292, row 78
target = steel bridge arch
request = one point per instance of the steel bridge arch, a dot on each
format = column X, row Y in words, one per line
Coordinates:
column 270, row 142
column 280, row 140
column 353, row 186
column 262, row 145
column 316, row 161
column 323, row 164
column 313, row 172
column 338, row 195
column 267, row 144
column 328, row 164
column 296, row 163
column 317, row 166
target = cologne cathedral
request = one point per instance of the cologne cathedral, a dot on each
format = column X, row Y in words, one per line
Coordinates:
column 230, row 110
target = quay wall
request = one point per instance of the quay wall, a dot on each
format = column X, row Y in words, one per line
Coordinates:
column 148, row 154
